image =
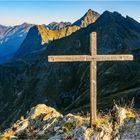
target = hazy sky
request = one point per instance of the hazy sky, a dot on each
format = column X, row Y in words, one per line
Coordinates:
column 44, row 12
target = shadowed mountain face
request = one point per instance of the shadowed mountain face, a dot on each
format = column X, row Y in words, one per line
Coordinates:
column 38, row 36
column 65, row 86
column 11, row 39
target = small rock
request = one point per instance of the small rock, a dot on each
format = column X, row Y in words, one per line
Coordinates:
column 41, row 133
column 56, row 128
column 13, row 138
column 79, row 133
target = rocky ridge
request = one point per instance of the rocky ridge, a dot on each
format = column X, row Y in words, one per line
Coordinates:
column 50, row 35
column 43, row 122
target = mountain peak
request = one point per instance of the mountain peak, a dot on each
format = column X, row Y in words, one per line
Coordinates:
column 113, row 14
column 89, row 17
column 57, row 26
column 25, row 23
column 90, row 11
column 3, row 25
column 110, row 17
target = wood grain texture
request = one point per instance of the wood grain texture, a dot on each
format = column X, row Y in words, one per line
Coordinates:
column 69, row 58
column 114, row 57
column 76, row 58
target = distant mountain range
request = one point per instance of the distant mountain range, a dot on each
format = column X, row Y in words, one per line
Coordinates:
column 29, row 79
column 14, row 38
column 11, row 39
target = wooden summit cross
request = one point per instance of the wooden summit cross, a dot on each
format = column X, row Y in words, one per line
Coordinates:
column 93, row 58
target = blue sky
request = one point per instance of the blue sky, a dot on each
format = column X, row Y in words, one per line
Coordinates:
column 44, row 12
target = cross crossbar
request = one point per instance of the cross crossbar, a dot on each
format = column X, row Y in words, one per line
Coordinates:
column 76, row 58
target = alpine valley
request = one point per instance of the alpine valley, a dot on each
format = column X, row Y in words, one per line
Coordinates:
column 28, row 79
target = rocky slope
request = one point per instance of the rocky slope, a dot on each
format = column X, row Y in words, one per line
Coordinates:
column 11, row 39
column 43, row 122
column 65, row 86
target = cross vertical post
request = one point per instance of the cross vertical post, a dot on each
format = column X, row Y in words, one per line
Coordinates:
column 93, row 79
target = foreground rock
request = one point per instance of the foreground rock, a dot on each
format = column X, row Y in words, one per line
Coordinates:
column 43, row 122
